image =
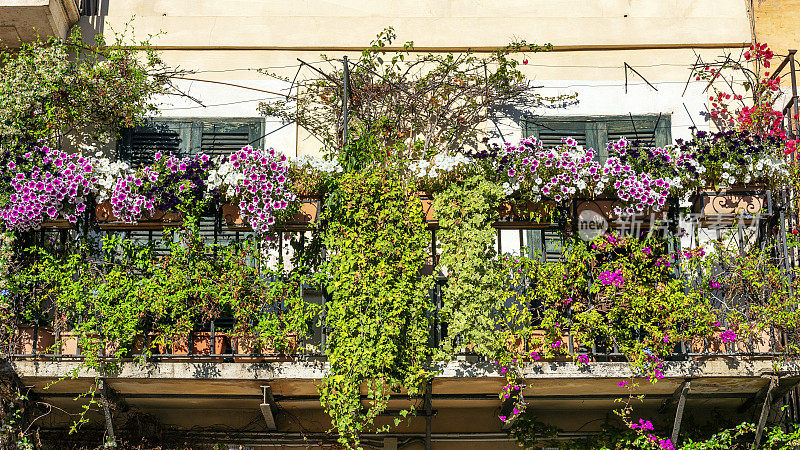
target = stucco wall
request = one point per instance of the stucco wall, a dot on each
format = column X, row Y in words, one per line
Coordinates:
column 592, row 39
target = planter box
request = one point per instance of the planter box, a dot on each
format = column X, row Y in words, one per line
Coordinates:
column 27, row 344
column 519, row 214
column 598, row 215
column 532, row 345
column 300, row 221
column 59, row 224
column 157, row 220
column 725, row 206
column 249, row 345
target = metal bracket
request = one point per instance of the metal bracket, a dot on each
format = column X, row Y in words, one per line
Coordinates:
column 268, row 408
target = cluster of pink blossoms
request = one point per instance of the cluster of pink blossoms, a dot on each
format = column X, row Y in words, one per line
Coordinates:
column 564, row 172
column 55, row 188
column 256, row 178
column 608, row 278
column 127, row 201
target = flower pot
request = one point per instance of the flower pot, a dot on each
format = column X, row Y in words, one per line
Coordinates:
column 28, row 344
column 202, row 342
column 300, row 221
column 596, row 216
column 758, row 342
column 68, row 343
column 179, row 346
column 428, row 212
column 157, row 220
column 536, row 346
column 518, row 214
column 724, row 206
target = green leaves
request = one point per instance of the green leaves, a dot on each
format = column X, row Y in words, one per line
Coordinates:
column 379, row 310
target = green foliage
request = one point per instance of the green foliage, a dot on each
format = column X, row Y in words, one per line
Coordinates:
column 378, row 310
column 476, row 283
column 52, row 88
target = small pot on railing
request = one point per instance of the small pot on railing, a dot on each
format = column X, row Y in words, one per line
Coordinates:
column 306, row 215
column 724, row 206
column 157, row 220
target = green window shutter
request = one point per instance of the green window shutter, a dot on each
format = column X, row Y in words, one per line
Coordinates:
column 650, row 130
column 595, row 132
column 224, row 138
column 139, row 145
column 552, row 131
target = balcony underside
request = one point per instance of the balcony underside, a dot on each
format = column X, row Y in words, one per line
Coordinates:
column 211, row 397
column 23, row 20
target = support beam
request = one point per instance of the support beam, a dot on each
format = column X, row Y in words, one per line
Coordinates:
column 428, row 415
column 102, row 387
column 762, row 421
column 667, row 404
column 676, row 427
column 268, row 408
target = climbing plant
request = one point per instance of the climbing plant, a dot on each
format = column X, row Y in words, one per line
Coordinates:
column 378, row 311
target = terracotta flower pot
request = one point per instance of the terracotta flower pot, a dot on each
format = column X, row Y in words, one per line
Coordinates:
column 156, row 220
column 300, row 221
column 178, row 346
column 536, row 347
column 27, row 344
column 68, row 343
column 725, row 206
column 201, row 343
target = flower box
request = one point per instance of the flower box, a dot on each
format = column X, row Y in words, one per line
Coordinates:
column 249, row 349
column 300, row 221
column 58, row 224
column 156, row 220
column 725, row 206
column 30, row 340
column 525, row 214
column 598, row 215
column 201, row 343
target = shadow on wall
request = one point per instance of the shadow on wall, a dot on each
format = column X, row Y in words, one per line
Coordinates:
column 93, row 13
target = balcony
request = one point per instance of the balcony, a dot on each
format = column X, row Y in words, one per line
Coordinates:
column 22, row 20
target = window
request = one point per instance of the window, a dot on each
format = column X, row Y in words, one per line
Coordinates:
column 596, row 131
column 187, row 137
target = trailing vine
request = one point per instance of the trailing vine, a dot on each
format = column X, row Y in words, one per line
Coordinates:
column 466, row 213
column 378, row 310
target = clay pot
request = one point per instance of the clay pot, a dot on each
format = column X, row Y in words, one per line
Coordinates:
column 25, row 344
column 725, row 206
column 300, row 221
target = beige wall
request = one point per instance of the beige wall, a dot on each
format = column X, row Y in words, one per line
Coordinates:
column 592, row 39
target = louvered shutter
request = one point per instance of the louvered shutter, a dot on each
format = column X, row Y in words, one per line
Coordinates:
column 650, row 130
column 139, row 145
column 552, row 132
column 187, row 137
column 224, row 138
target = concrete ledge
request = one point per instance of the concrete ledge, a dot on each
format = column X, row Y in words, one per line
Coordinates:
column 303, row 370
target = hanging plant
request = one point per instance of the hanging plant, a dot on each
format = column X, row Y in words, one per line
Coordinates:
column 378, row 310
